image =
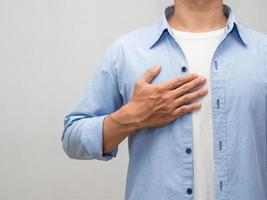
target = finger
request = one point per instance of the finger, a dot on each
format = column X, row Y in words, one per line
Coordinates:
column 177, row 82
column 190, row 96
column 186, row 108
column 187, row 87
column 150, row 74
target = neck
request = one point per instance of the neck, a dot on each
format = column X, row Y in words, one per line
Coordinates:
column 198, row 15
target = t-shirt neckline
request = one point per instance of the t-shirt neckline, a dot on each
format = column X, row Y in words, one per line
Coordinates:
column 198, row 35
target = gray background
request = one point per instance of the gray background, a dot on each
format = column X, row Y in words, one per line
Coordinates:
column 47, row 51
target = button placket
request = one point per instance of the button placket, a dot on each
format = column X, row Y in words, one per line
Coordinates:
column 219, row 125
column 187, row 140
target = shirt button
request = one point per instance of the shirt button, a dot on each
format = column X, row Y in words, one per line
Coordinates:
column 218, row 103
column 221, row 185
column 183, row 68
column 189, row 191
column 188, row 150
column 220, row 145
column 216, row 64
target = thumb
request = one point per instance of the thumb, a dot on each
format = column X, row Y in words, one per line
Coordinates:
column 150, row 74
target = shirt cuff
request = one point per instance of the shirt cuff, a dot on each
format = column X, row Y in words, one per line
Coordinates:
column 92, row 138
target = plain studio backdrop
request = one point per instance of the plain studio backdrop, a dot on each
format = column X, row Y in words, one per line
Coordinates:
column 47, row 52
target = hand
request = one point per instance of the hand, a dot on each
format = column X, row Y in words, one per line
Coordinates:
column 158, row 104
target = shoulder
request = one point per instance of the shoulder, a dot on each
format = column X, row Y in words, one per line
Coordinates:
column 256, row 39
column 139, row 37
column 253, row 36
column 128, row 44
column 251, row 32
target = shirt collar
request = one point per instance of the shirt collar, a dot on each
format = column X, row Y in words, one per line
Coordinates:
column 163, row 26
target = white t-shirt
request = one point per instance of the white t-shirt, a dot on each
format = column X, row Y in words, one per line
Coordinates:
column 199, row 48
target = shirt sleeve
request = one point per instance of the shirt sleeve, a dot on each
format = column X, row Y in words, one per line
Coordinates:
column 82, row 137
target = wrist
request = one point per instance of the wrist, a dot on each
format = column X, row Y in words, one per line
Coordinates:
column 126, row 117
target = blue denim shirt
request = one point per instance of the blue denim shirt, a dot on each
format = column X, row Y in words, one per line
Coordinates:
column 159, row 166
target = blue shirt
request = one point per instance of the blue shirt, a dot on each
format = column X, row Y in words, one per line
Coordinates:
column 160, row 167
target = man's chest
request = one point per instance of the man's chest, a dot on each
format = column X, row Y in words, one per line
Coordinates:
column 233, row 70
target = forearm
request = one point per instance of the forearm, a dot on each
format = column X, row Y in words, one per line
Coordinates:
column 117, row 127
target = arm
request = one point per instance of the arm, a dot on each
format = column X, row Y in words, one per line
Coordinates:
column 117, row 127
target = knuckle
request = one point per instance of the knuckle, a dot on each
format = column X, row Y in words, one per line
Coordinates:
column 179, row 80
column 158, row 88
column 178, row 102
column 186, row 98
column 185, row 87
column 182, row 109
column 167, row 96
column 173, row 115
column 172, row 84
column 163, row 98
column 169, row 108
column 183, row 78
column 164, row 106
column 195, row 95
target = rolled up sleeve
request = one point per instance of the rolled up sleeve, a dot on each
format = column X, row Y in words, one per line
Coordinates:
column 82, row 137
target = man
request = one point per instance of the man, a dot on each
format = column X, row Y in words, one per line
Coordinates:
column 190, row 94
